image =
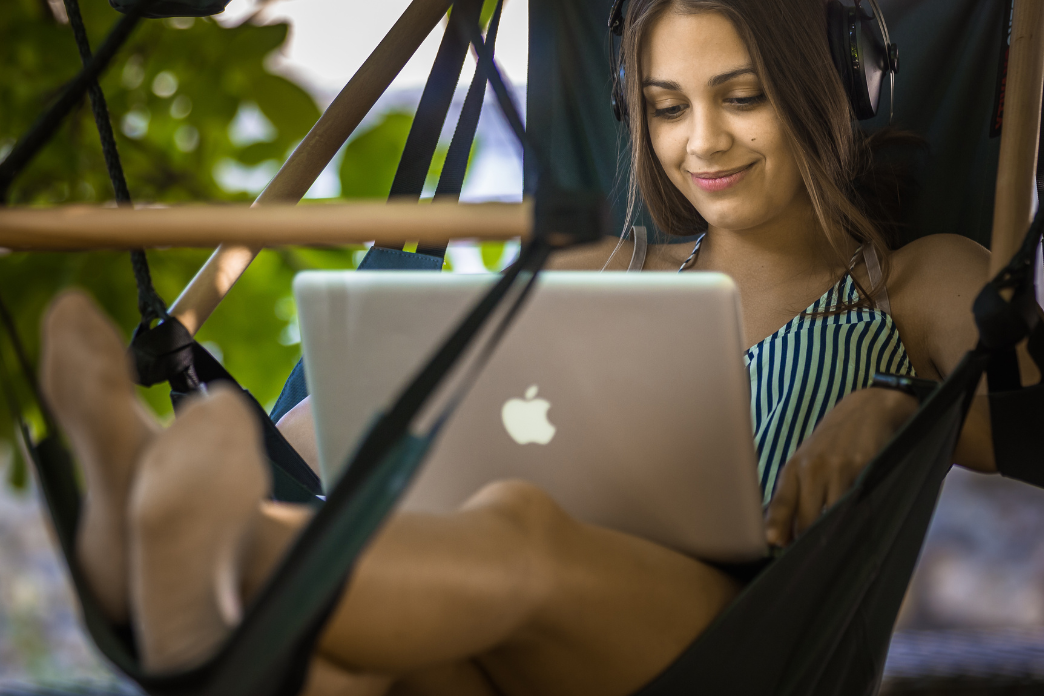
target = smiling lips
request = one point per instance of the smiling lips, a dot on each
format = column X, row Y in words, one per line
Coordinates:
column 719, row 181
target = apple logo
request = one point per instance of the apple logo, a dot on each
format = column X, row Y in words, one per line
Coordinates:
column 526, row 421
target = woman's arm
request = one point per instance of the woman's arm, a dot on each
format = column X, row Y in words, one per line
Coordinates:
column 933, row 283
column 937, row 279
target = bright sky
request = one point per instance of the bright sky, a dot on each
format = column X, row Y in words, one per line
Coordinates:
column 330, row 39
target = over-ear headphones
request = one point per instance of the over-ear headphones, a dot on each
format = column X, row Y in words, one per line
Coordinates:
column 861, row 56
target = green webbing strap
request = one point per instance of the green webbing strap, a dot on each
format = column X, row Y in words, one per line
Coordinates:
column 434, row 104
column 293, row 605
column 435, row 101
column 451, row 181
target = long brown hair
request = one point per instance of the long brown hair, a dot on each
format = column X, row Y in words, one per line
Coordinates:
column 853, row 195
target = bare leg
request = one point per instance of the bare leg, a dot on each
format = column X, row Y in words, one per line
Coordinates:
column 543, row 603
column 90, row 392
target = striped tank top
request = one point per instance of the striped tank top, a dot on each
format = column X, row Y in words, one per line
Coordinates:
column 802, row 370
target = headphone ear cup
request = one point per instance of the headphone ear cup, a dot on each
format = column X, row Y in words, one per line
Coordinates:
column 860, row 59
column 873, row 65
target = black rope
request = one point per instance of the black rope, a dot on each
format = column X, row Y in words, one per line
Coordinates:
column 45, row 127
column 99, row 107
column 150, row 304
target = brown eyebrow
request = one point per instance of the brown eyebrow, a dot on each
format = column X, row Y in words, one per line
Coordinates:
column 663, row 84
column 713, row 82
column 731, row 75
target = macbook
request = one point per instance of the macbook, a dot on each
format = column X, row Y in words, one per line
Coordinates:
column 622, row 395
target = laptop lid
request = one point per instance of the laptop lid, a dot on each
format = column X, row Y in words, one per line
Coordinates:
column 623, row 396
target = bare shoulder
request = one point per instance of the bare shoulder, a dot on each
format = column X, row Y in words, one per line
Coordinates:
column 943, row 258
column 592, row 257
column 938, row 268
column 932, row 284
column 613, row 255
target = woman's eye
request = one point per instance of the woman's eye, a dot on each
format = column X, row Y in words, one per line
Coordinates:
column 746, row 102
column 668, row 112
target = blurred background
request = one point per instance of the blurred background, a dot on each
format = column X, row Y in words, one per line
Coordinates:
column 207, row 110
column 203, row 110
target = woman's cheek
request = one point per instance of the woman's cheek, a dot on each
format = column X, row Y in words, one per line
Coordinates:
column 669, row 146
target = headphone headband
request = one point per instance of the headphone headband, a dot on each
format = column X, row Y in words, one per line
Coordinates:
column 616, row 18
column 858, row 57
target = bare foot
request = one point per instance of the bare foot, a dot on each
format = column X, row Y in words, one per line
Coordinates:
column 86, row 381
column 193, row 507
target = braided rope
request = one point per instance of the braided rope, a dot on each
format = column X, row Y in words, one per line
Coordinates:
column 150, row 304
column 46, row 126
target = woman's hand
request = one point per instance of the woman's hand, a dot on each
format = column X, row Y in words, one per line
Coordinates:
column 829, row 460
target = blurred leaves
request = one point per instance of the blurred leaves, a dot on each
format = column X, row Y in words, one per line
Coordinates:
column 191, row 104
column 172, row 92
column 371, row 158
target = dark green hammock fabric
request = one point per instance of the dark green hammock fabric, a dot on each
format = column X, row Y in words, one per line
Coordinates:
column 817, row 620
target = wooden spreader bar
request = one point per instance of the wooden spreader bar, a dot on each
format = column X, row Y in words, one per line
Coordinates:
column 1017, row 163
column 72, row 228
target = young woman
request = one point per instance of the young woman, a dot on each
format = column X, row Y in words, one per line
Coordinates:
column 740, row 129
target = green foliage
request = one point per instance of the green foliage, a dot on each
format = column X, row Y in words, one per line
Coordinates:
column 371, row 158
column 487, row 12
column 175, row 87
column 172, row 92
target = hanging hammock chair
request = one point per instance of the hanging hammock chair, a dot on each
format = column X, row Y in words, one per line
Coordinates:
column 816, row 619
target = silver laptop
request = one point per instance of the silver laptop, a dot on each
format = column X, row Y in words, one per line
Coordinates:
column 623, row 396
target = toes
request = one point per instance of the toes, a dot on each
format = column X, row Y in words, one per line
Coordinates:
column 194, row 504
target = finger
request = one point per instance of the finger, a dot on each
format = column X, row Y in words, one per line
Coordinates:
column 810, row 502
column 779, row 519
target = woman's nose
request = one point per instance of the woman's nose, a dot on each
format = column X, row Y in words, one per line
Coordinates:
column 709, row 135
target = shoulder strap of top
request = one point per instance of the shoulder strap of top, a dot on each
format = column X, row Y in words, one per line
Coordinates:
column 641, row 244
column 873, row 269
column 640, row 236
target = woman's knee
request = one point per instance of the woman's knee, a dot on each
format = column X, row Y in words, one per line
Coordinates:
column 537, row 524
column 524, row 505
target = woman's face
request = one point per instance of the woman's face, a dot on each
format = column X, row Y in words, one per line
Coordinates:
column 711, row 125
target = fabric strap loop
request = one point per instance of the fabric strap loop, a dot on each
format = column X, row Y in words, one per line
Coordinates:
column 451, row 182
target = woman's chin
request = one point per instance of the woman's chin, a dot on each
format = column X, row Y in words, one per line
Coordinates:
column 735, row 218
